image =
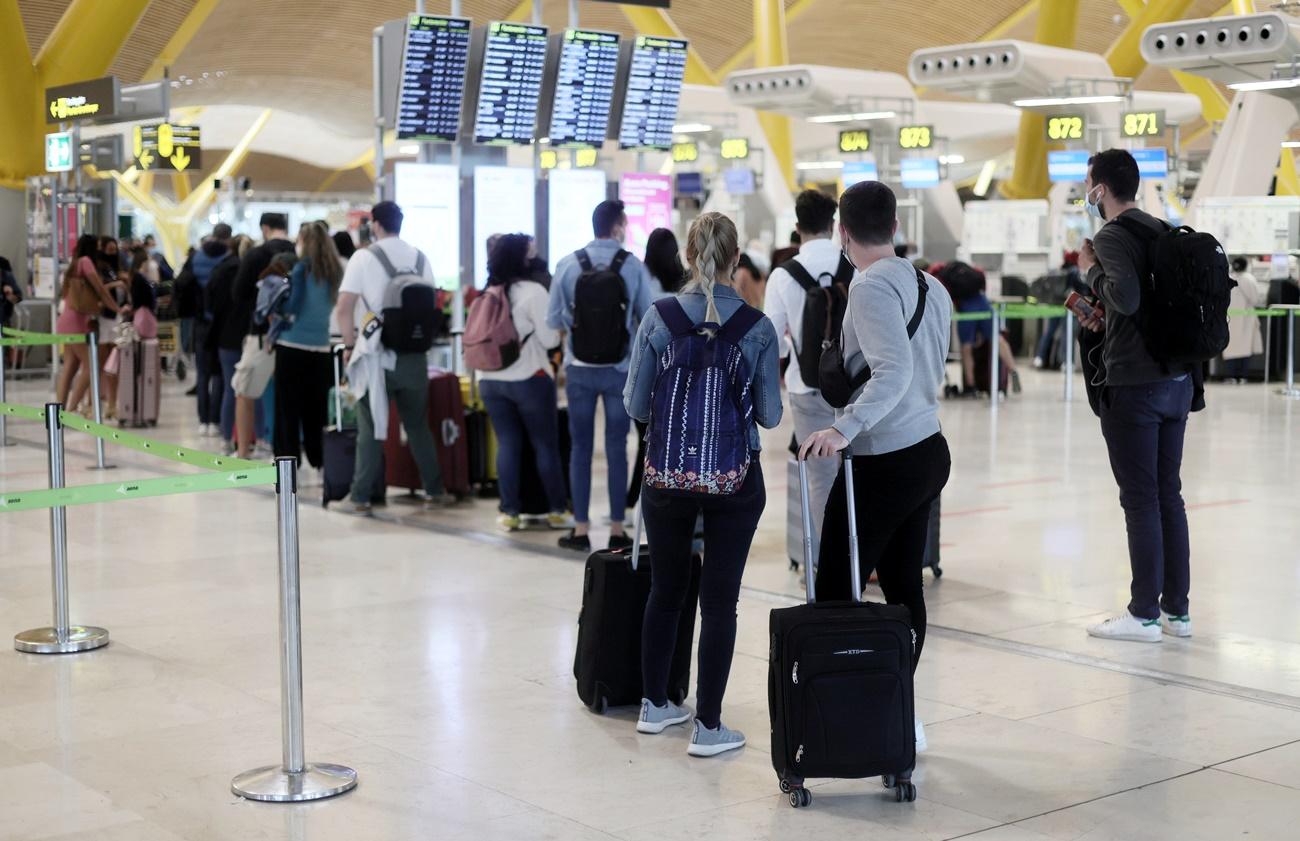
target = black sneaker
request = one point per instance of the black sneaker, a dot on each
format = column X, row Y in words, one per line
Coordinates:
column 619, row 541
column 578, row 543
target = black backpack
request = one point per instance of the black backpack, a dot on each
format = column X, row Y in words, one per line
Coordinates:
column 410, row 312
column 1183, row 310
column 600, row 305
column 826, row 298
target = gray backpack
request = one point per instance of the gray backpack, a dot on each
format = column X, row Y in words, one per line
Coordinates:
column 410, row 313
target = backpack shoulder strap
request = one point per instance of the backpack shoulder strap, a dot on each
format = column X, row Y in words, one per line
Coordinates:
column 740, row 323
column 923, row 290
column 844, row 271
column 1137, row 229
column 619, row 259
column 675, row 318
column 584, row 259
column 419, row 263
column 383, row 260
column 800, row 274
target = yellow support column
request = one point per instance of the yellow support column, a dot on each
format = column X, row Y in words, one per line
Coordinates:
column 1243, row 7
column 180, row 39
column 770, row 50
column 1288, row 183
column 87, row 39
column 1125, row 55
column 20, row 152
column 1057, row 22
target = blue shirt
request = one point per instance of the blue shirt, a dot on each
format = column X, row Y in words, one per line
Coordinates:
column 760, row 347
column 309, row 308
column 559, row 315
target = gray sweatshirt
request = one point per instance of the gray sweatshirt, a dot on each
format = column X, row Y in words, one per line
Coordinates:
column 899, row 405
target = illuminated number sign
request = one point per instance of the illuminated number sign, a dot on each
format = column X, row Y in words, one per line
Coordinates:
column 1142, row 123
column 548, row 159
column 684, row 153
column 1065, row 128
column 916, row 137
column 855, row 140
column 585, row 158
column 735, row 149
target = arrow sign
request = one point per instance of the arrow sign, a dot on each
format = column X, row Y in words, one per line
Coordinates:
column 146, row 159
column 180, row 160
column 54, row 108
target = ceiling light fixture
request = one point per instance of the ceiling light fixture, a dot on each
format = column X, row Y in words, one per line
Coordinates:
column 810, row 165
column 408, row 149
column 691, row 128
column 1291, row 144
column 859, row 117
column 1049, row 101
column 949, row 160
column 1266, row 85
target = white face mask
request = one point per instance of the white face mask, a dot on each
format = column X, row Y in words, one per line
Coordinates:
column 1093, row 207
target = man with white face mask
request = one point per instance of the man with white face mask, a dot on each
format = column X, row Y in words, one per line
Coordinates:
column 1144, row 406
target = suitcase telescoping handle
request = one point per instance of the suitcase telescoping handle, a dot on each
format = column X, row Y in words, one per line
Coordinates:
column 855, row 570
column 337, row 358
column 636, row 533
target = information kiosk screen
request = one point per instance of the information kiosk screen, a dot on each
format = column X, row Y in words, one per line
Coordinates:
column 434, row 59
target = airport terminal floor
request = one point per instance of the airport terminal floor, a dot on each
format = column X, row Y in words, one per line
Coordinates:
column 438, row 658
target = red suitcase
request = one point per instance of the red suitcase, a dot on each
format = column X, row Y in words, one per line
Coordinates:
column 446, row 419
column 139, row 387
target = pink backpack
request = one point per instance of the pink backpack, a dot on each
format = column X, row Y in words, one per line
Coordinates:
column 491, row 341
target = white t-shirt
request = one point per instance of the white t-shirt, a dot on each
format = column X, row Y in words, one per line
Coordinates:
column 528, row 303
column 784, row 302
column 366, row 276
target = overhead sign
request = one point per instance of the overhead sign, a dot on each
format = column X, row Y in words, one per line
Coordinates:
column 510, row 88
column 1067, row 165
column 653, row 72
column 58, row 151
column 166, row 147
column 739, row 181
column 858, row 171
column 920, row 173
column 1066, row 127
column 735, row 149
column 1142, row 123
column 648, row 201
column 548, row 159
column 690, row 183
column 916, row 137
column 92, row 99
column 434, row 61
column 585, row 158
column 685, row 153
column 1152, row 163
column 855, row 140
column 582, row 95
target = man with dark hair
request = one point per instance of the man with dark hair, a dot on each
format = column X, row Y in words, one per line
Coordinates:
column 817, row 258
column 1144, row 408
column 404, row 384
column 899, row 325
column 195, row 312
column 592, row 285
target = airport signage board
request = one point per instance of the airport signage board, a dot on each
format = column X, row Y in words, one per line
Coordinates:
column 1152, row 163
column 919, row 173
column 92, row 99
column 586, row 159
column 915, row 137
column 686, row 153
column 434, row 61
column 1142, row 123
column 58, row 151
column 548, row 159
column 582, row 96
column 655, row 69
column 855, row 140
column 1064, row 127
column 739, row 181
column 690, row 183
column 648, row 201
column 163, row 146
column 734, row 149
column 510, row 86
column 855, row 172
column 1067, row 165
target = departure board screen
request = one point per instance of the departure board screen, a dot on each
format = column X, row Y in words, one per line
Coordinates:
column 584, row 88
column 433, row 77
column 514, row 59
column 654, row 86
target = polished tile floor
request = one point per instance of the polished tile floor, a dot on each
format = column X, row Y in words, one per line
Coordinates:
column 438, row 657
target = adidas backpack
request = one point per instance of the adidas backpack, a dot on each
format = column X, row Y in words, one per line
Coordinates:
column 700, row 408
column 826, row 299
column 1183, row 314
column 600, row 304
column 491, row 341
column 410, row 310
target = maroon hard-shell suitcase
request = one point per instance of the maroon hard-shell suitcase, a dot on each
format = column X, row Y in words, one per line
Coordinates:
column 139, row 389
column 446, row 419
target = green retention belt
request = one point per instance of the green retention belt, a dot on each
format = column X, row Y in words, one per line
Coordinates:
column 20, row 338
column 11, row 501
column 172, row 452
column 13, row 410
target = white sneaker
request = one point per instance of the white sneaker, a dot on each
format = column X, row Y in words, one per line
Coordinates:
column 921, row 744
column 706, row 742
column 1176, row 626
column 1128, row 627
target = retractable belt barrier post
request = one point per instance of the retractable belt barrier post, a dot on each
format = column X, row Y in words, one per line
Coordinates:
column 63, row 637
column 293, row 780
column 1069, row 358
column 995, row 353
column 92, row 341
column 1290, row 391
column 4, row 419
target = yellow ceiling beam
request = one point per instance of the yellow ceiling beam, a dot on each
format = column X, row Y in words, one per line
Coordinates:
column 198, row 200
column 521, row 12
column 19, row 100
column 1246, row 7
column 181, row 186
column 1011, row 21
column 771, row 50
column 1288, row 183
column 180, row 39
column 745, row 54
column 87, row 39
column 648, row 21
column 1125, row 56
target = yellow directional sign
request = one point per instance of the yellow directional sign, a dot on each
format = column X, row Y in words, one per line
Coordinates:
column 915, row 137
column 855, row 140
column 684, row 153
column 164, row 146
column 1066, row 127
column 735, row 149
column 91, row 99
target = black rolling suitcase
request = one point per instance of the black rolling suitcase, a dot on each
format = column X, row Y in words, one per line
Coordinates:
column 532, row 493
column 607, row 663
column 840, row 684
column 339, row 448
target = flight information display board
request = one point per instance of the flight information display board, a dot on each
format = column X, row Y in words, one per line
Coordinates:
column 586, row 70
column 655, row 69
column 514, row 60
column 434, row 60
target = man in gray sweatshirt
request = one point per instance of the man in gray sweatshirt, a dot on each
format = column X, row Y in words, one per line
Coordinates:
column 901, row 461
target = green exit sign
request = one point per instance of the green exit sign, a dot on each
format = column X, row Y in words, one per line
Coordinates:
column 58, row 151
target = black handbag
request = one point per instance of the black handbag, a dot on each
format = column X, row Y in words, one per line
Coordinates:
column 837, row 385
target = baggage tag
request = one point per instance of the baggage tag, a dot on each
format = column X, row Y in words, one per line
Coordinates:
column 371, row 325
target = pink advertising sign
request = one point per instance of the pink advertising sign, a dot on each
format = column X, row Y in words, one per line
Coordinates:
column 649, row 201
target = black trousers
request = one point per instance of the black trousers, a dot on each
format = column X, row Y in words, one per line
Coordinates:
column 729, row 524
column 303, row 379
column 893, row 493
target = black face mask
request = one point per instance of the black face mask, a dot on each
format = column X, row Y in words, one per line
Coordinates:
column 111, row 260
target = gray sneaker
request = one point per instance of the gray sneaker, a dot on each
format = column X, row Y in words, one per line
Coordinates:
column 658, row 719
column 706, row 742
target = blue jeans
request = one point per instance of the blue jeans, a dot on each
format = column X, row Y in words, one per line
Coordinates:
column 1144, row 427
column 1050, row 326
column 586, row 387
column 525, row 410
column 228, row 358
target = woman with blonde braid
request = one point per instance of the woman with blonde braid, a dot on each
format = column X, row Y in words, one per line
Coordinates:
column 712, row 251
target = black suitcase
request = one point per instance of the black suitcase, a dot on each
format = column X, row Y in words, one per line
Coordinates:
column 932, row 541
column 607, row 663
column 532, row 493
column 839, row 684
column 339, row 450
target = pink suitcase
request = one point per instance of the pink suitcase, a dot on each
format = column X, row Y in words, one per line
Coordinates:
column 139, row 385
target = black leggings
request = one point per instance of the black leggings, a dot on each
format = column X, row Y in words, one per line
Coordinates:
column 302, row 386
column 893, row 493
column 729, row 523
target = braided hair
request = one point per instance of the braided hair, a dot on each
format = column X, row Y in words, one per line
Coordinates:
column 711, row 248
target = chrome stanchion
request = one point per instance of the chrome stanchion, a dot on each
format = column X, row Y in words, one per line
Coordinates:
column 92, row 339
column 4, row 419
column 295, row 779
column 1290, row 390
column 63, row 638
column 1069, row 357
column 1268, row 349
column 995, row 340
column 855, row 559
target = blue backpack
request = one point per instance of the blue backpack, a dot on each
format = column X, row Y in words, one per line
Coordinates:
column 700, row 409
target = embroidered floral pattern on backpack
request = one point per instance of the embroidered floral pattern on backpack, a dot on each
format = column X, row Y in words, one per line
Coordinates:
column 713, row 484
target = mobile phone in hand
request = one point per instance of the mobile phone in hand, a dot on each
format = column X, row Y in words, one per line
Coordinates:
column 1084, row 308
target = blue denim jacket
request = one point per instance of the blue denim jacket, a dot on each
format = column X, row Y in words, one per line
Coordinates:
column 309, row 305
column 761, row 349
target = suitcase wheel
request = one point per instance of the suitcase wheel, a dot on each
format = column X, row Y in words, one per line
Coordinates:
column 794, row 565
column 602, row 705
column 938, row 571
column 904, row 793
column 800, row 798
column 889, row 780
